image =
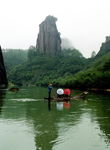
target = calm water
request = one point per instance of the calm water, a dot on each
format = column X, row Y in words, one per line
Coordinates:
column 26, row 123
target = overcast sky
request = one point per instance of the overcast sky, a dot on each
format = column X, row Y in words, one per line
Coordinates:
column 84, row 22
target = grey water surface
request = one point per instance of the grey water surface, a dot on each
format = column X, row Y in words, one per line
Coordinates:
column 27, row 122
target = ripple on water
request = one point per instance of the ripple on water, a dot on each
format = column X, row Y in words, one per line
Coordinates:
column 25, row 99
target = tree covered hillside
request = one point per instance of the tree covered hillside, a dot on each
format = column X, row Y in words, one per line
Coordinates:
column 14, row 57
column 41, row 69
column 69, row 69
column 96, row 75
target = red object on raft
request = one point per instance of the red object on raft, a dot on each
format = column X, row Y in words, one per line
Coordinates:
column 67, row 91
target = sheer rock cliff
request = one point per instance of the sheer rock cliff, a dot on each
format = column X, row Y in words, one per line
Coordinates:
column 49, row 41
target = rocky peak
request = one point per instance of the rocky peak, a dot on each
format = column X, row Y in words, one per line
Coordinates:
column 105, row 47
column 107, row 38
column 48, row 41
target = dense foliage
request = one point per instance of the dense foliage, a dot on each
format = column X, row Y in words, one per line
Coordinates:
column 14, row 57
column 41, row 69
column 96, row 75
column 70, row 69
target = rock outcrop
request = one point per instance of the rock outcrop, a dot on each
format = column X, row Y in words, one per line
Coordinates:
column 48, row 41
column 105, row 47
column 3, row 76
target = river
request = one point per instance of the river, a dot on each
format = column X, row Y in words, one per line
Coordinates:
column 27, row 122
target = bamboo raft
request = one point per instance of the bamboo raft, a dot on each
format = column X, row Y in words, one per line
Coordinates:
column 66, row 99
column 57, row 99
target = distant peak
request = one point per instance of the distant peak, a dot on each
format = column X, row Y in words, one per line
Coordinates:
column 107, row 38
column 49, row 41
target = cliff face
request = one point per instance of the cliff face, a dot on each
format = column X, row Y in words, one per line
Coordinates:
column 105, row 47
column 3, row 77
column 48, row 41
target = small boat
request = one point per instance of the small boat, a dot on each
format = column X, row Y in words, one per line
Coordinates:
column 65, row 99
column 57, row 99
column 14, row 89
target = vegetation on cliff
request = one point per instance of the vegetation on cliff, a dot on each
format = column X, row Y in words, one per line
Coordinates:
column 96, row 75
column 14, row 57
column 41, row 69
column 70, row 69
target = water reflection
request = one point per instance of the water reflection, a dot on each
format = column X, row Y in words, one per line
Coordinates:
column 49, row 104
column 44, row 127
column 61, row 125
column 59, row 105
column 62, row 105
column 66, row 105
column 100, row 106
column 2, row 96
column 47, row 123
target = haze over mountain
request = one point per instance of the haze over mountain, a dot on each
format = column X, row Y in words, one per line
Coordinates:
column 66, row 44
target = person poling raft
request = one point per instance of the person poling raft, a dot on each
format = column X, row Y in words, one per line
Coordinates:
column 49, row 90
column 65, row 95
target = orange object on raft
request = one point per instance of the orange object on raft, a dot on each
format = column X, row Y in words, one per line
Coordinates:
column 67, row 91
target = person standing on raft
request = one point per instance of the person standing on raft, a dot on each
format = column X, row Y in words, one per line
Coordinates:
column 49, row 90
